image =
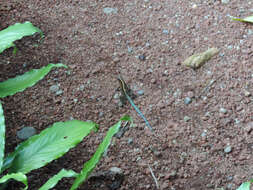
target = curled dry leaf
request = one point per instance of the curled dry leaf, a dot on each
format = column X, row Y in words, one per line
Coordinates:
column 197, row 60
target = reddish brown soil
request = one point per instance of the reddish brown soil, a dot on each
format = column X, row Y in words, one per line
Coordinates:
column 183, row 155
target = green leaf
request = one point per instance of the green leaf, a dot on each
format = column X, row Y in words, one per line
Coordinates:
column 49, row 145
column 54, row 180
column 246, row 19
column 91, row 164
column 16, row 32
column 2, row 135
column 17, row 176
column 21, row 82
column 244, row 186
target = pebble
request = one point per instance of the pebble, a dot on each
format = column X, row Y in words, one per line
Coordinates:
column 129, row 49
column 59, row 92
column 54, row 88
column 187, row 100
column 81, row 87
column 130, row 141
column 228, row 149
column 26, row 132
column 116, row 170
column 140, row 92
column 157, row 153
column 142, row 57
column 247, row 93
column 223, row 110
column 224, row 1
column 187, row 118
column 109, row 10
column 165, row 32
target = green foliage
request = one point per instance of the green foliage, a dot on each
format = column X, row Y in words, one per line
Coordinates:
column 2, row 135
column 245, row 185
column 54, row 180
column 246, row 19
column 21, row 82
column 17, row 176
column 16, row 32
column 90, row 165
column 49, row 145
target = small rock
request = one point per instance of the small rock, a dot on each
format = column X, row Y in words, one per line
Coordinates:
column 129, row 49
column 140, row 92
column 165, row 32
column 81, row 87
column 224, row 1
column 115, row 170
column 157, row 153
column 26, row 132
column 247, row 93
column 109, row 10
column 59, row 92
column 187, row 118
column 142, row 57
column 203, row 134
column 187, row 100
column 227, row 149
column 130, row 141
column 223, row 110
column 54, row 88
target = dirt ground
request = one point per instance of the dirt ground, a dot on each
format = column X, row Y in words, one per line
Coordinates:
column 202, row 119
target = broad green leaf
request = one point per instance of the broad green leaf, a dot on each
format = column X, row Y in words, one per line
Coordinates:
column 47, row 146
column 54, row 180
column 2, row 135
column 91, row 164
column 16, row 32
column 17, row 176
column 21, row 82
column 244, row 186
column 246, row 19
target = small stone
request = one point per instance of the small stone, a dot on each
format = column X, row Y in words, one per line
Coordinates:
column 109, row 10
column 59, row 92
column 224, row 1
column 26, row 132
column 187, row 118
column 140, row 92
column 187, row 100
column 157, row 153
column 142, row 57
column 129, row 49
column 130, row 141
column 101, row 114
column 203, row 134
column 116, row 170
column 247, row 93
column 54, row 88
column 81, row 87
column 75, row 100
column 227, row 149
column 223, row 110
column 165, row 32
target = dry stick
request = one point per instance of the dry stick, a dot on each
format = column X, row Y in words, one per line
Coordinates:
column 153, row 175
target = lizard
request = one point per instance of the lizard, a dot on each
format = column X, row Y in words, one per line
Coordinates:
column 127, row 93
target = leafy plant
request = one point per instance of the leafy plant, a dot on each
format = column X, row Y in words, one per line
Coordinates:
column 16, row 32
column 246, row 19
column 245, row 185
column 54, row 141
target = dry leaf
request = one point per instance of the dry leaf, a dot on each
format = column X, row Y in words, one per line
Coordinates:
column 197, row 60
